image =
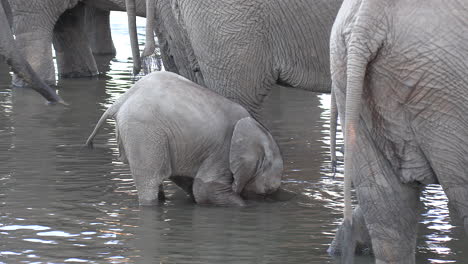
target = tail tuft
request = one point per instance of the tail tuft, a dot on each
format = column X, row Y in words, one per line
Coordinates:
column 89, row 144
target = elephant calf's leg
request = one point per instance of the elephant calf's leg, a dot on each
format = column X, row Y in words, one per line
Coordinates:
column 215, row 193
column 148, row 185
column 148, row 157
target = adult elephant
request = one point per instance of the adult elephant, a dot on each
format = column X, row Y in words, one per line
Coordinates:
column 401, row 86
column 78, row 29
column 242, row 49
column 20, row 66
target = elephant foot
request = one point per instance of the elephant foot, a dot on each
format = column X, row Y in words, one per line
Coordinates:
column 360, row 233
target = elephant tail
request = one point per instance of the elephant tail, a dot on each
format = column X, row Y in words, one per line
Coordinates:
column 333, row 126
column 111, row 111
column 108, row 113
column 367, row 37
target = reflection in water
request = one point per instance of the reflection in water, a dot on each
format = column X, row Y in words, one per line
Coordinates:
column 62, row 203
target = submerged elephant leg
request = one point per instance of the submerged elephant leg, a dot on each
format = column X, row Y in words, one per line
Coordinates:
column 363, row 241
column 98, row 30
column 391, row 209
column 37, row 49
column 148, row 156
column 33, row 23
column 74, row 55
column 215, row 193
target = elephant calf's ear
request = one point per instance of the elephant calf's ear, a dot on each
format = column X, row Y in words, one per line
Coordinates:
column 246, row 152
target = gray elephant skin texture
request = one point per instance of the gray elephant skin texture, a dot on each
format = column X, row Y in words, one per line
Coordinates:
column 243, row 49
column 16, row 60
column 240, row 49
column 78, row 29
column 399, row 76
column 171, row 128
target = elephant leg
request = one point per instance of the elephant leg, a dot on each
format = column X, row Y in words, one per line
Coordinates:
column 458, row 201
column 37, row 49
column 74, row 55
column 98, row 30
column 391, row 209
column 215, row 193
column 33, row 24
column 147, row 153
column 363, row 240
column 97, row 23
column 177, row 53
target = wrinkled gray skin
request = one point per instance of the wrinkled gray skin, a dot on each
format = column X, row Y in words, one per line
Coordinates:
column 243, row 49
column 15, row 59
column 171, row 128
column 240, row 49
column 400, row 80
column 79, row 31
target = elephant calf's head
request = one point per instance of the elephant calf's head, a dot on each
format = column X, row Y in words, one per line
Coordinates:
column 255, row 160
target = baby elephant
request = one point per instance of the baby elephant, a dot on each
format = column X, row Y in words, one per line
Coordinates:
column 171, row 128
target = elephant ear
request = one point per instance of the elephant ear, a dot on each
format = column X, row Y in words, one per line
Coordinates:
column 247, row 152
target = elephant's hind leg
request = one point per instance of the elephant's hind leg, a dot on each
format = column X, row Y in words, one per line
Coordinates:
column 148, row 156
column 74, row 56
column 391, row 209
column 360, row 232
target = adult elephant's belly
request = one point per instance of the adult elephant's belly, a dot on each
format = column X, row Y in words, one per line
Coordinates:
column 117, row 5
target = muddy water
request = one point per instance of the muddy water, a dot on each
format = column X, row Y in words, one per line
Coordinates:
column 60, row 203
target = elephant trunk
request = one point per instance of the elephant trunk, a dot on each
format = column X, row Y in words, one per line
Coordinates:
column 150, row 44
column 7, row 11
column 19, row 64
column 132, row 31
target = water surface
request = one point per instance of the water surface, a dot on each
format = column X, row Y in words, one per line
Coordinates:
column 60, row 203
